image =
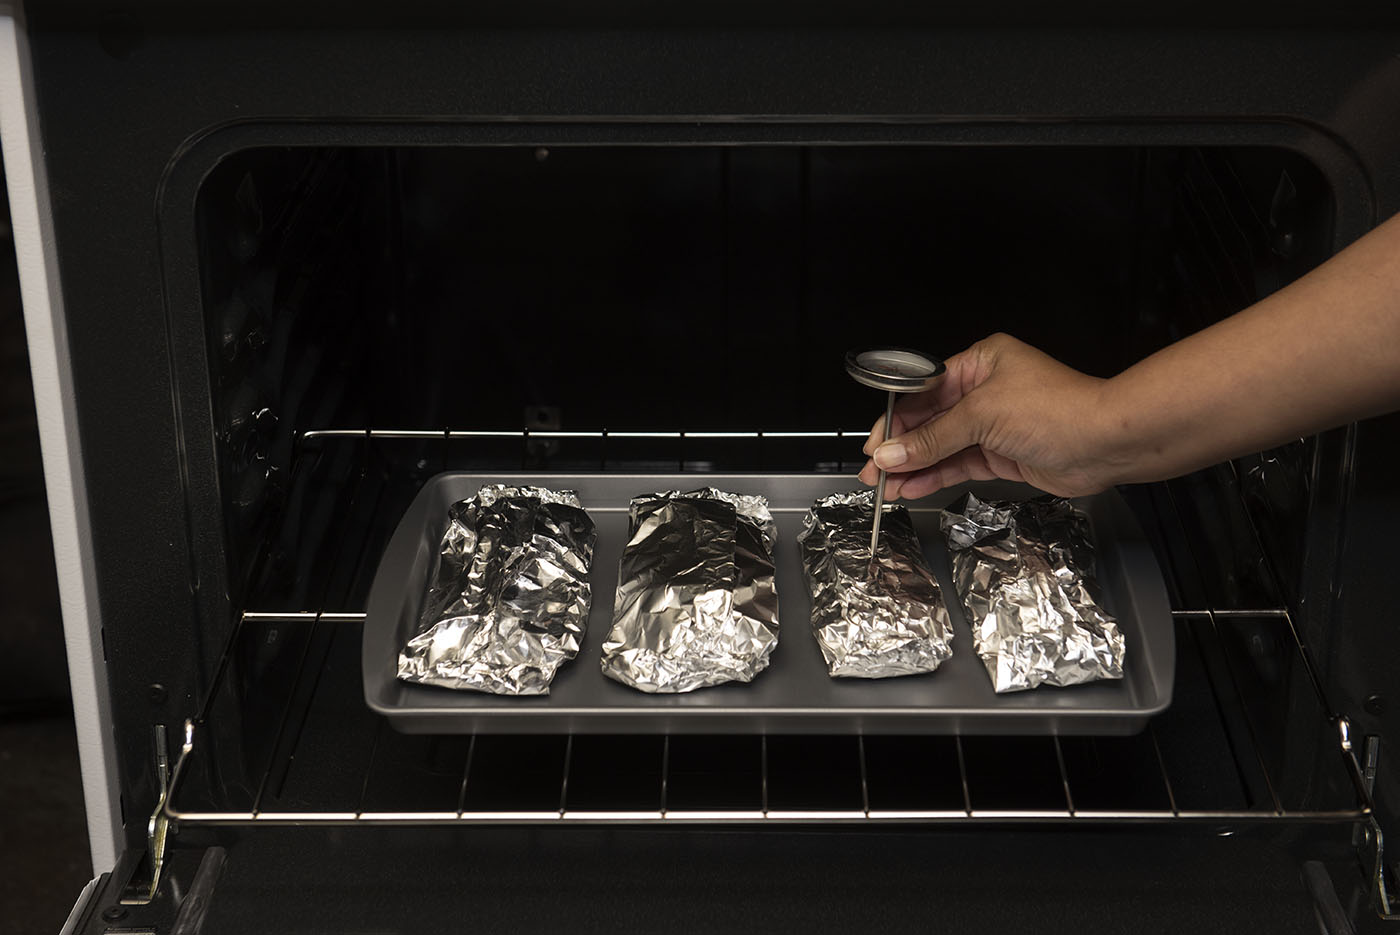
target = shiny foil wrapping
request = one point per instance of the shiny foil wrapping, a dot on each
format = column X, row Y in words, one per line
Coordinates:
column 1025, row 572
column 509, row 595
column 872, row 620
column 696, row 603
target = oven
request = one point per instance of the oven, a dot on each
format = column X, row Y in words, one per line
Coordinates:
column 280, row 269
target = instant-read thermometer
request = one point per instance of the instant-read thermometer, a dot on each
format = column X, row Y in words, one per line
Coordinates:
column 895, row 370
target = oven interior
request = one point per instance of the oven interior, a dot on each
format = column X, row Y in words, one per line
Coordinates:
column 375, row 315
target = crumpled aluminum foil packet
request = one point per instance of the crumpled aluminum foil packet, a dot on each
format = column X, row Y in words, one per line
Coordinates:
column 509, row 595
column 1025, row 572
column 872, row 620
column 696, row 601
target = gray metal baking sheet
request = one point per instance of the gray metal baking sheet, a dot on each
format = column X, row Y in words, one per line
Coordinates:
column 795, row 694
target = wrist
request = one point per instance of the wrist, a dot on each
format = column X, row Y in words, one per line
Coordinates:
column 1114, row 435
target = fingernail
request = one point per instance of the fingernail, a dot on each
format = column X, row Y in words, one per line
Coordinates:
column 890, row 454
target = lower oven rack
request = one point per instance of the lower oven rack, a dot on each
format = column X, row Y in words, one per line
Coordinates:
column 284, row 736
column 952, row 799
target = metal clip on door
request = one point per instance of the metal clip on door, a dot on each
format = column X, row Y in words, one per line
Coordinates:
column 158, row 827
column 1371, row 842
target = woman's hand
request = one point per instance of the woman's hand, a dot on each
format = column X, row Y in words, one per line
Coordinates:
column 1002, row 410
column 1321, row 352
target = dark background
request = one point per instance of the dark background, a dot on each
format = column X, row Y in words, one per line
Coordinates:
column 44, row 860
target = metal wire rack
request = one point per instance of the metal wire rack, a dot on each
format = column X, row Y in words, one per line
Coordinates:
column 284, row 737
column 655, row 801
column 311, row 752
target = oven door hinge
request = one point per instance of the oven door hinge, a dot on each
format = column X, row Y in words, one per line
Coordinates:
column 1374, row 857
column 157, row 828
column 1370, row 840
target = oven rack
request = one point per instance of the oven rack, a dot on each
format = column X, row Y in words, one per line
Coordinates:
column 859, row 806
column 1228, row 751
column 284, row 737
column 658, row 450
column 526, row 433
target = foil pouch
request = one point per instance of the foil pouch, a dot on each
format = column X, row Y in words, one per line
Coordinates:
column 508, row 594
column 1025, row 572
column 871, row 620
column 696, row 602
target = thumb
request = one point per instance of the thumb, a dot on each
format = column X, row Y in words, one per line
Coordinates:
column 930, row 443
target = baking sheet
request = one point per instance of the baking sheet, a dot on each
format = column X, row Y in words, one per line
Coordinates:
column 795, row 694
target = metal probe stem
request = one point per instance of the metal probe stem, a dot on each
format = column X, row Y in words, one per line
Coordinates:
column 880, row 487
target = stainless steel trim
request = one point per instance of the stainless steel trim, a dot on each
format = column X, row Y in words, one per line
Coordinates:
column 70, row 926
column 51, row 367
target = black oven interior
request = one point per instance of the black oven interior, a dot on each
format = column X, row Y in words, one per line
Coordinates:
column 374, row 315
column 691, row 289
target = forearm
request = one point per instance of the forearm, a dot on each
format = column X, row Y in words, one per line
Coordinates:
column 1322, row 352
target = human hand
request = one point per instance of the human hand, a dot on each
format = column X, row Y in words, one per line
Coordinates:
column 1002, row 410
